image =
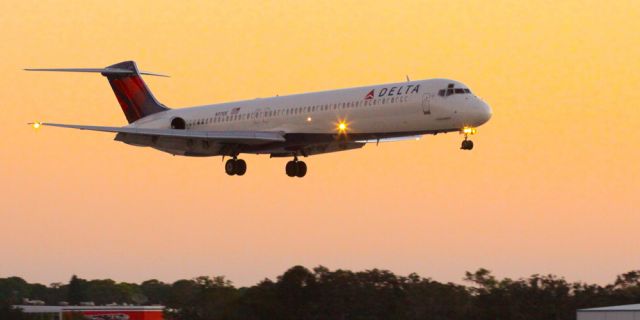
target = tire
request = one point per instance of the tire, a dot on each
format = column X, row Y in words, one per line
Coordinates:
column 291, row 168
column 469, row 145
column 241, row 167
column 302, row 169
column 230, row 167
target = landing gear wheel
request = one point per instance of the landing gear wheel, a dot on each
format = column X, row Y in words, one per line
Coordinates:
column 240, row 167
column 467, row 145
column 230, row 167
column 302, row 169
column 291, row 168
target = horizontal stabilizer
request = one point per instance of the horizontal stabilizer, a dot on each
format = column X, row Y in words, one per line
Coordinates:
column 104, row 71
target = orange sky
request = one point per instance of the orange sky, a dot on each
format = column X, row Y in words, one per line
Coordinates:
column 552, row 186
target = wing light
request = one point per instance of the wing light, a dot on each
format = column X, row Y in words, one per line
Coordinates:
column 342, row 127
column 36, row 125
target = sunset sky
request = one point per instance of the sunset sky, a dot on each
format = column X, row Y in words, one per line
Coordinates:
column 552, row 186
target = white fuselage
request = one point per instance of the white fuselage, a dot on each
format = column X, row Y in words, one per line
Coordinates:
column 287, row 126
column 394, row 109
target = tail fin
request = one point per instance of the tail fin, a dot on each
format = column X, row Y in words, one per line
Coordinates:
column 132, row 93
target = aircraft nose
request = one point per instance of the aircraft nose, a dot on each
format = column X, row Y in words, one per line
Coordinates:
column 484, row 112
column 487, row 111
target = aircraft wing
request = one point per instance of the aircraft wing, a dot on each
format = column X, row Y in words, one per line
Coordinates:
column 394, row 139
column 243, row 137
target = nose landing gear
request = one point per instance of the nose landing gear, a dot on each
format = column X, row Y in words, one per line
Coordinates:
column 466, row 143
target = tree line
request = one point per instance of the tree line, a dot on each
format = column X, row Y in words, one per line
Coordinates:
column 321, row 294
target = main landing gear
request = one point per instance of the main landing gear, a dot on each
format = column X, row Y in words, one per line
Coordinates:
column 466, row 143
column 296, row 168
column 235, row 166
column 238, row 167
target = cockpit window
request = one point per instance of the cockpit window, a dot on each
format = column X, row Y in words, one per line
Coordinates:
column 451, row 90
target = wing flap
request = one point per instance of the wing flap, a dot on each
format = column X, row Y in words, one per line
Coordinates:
column 221, row 136
column 394, row 139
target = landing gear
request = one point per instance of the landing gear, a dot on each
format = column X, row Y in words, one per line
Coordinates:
column 466, row 145
column 235, row 167
column 467, row 131
column 291, row 168
column 296, row 168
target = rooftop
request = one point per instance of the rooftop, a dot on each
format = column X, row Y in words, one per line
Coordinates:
column 626, row 307
column 58, row 309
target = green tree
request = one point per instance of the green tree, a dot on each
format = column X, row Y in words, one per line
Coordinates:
column 157, row 292
column 9, row 313
column 203, row 298
column 77, row 290
column 13, row 290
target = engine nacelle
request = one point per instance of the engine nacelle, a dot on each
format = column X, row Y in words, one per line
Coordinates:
column 178, row 123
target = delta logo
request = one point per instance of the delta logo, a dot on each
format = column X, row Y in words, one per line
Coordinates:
column 393, row 91
column 369, row 95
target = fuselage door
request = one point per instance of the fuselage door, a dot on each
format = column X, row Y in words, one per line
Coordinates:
column 426, row 103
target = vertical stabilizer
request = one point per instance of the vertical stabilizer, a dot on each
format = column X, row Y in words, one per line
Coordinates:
column 132, row 93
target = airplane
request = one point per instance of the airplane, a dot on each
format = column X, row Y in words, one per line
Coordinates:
column 299, row 125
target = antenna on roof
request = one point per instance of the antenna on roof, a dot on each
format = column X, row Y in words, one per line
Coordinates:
column 408, row 78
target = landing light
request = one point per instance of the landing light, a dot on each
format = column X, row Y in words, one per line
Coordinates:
column 309, row 119
column 342, row 127
column 469, row 130
column 36, row 125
